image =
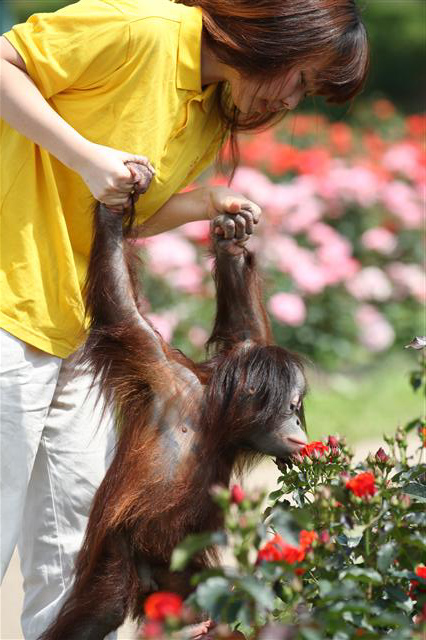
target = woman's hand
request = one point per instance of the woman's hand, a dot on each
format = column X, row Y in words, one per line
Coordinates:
column 244, row 213
column 109, row 176
column 103, row 169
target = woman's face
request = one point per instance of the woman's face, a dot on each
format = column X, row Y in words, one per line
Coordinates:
column 252, row 96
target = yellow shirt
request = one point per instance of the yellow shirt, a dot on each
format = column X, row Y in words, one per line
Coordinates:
column 123, row 73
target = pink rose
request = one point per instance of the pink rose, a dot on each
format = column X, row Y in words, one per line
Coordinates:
column 370, row 283
column 402, row 158
column 288, row 308
column 403, row 201
column 165, row 323
column 379, row 239
column 198, row 336
column 187, row 278
column 169, row 251
column 408, row 279
column 375, row 332
column 199, row 231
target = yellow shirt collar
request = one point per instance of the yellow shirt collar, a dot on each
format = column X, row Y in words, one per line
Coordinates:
column 189, row 53
column 188, row 74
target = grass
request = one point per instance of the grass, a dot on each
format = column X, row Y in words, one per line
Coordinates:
column 363, row 405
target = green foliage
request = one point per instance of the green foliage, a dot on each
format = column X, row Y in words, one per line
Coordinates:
column 397, row 34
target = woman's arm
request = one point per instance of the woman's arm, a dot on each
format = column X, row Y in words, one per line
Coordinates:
column 204, row 203
column 23, row 107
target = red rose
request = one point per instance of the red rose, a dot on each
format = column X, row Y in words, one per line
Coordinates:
column 362, row 485
column 237, row 494
column 293, row 554
column 420, row 571
column 277, row 550
column 314, row 449
column 416, row 126
column 307, row 538
column 341, row 137
column 163, row 604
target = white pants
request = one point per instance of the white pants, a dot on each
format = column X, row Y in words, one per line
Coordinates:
column 55, row 448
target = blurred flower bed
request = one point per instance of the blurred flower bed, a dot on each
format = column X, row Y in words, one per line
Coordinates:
column 339, row 242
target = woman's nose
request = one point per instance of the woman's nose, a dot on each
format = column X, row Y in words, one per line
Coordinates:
column 291, row 101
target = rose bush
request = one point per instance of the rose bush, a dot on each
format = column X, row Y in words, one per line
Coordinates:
column 338, row 553
column 339, row 242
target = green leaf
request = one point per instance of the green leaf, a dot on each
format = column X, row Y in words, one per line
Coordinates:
column 385, row 555
column 356, row 606
column 234, row 611
column 183, row 553
column 346, row 590
column 227, row 572
column 310, row 634
column 416, row 380
column 274, row 495
column 271, row 571
column 351, row 542
column 341, row 635
column 325, row 588
column 415, row 490
column 409, row 474
column 286, row 525
column 261, row 593
column 213, row 595
column 400, row 598
column 388, row 619
column 415, row 539
column 362, row 575
column 414, row 424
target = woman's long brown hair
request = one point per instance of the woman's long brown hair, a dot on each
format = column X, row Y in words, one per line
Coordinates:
column 265, row 39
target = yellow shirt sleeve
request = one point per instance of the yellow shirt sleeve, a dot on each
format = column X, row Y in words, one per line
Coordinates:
column 79, row 46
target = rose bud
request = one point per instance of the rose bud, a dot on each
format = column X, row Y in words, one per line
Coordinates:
column 333, row 442
column 324, row 537
column 370, row 459
column 405, row 501
column 237, row 494
column 400, row 435
column 334, row 452
column 381, row 455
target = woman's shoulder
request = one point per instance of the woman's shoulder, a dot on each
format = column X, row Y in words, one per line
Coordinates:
column 145, row 9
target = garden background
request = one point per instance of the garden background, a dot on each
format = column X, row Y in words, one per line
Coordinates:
column 340, row 242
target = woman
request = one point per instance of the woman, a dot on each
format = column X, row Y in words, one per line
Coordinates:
column 85, row 90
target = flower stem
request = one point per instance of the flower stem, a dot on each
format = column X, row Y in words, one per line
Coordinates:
column 367, row 542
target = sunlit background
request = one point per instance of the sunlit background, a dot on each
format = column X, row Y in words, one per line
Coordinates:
column 340, row 243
